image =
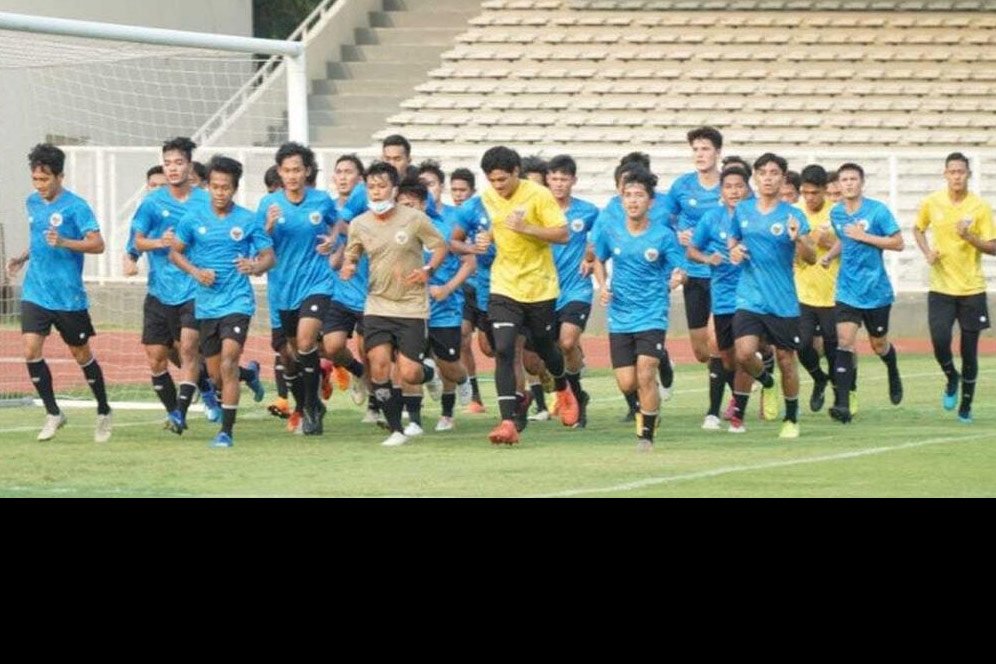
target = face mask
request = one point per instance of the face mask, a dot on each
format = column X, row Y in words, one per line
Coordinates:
column 380, row 207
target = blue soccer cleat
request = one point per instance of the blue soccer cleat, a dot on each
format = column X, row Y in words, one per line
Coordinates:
column 965, row 418
column 258, row 391
column 222, row 440
column 176, row 422
column 212, row 409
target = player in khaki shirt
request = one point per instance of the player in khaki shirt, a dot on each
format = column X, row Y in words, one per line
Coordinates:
column 961, row 230
column 397, row 305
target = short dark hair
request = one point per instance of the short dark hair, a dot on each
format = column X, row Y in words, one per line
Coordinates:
column 627, row 166
column 271, row 178
column 794, row 179
column 710, row 134
column 500, row 158
column 957, row 156
column 379, row 168
column 851, row 166
column 292, row 149
column 431, row 166
column 641, row 176
column 814, row 174
column 730, row 171
column 355, row 161
column 47, row 156
column 466, row 175
column 413, row 187
column 563, row 163
column 534, row 164
column 398, row 139
column 641, row 158
column 735, row 160
column 180, row 144
column 200, row 169
column 832, row 176
column 222, row 164
column 155, row 170
column 771, row 158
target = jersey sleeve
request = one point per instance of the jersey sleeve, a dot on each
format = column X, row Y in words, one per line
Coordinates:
column 984, row 228
column 85, row 219
column 669, row 205
column 354, row 244
column 798, row 215
column 703, row 230
column 923, row 217
column 602, row 249
column 672, row 250
column 185, row 229
column 591, row 214
column 548, row 212
column 886, row 222
column 258, row 237
column 355, row 205
column 738, row 217
column 142, row 221
column 425, row 231
column 329, row 216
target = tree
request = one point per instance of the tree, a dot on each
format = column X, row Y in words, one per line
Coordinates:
column 277, row 19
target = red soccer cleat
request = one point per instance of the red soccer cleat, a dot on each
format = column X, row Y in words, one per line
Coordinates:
column 504, row 434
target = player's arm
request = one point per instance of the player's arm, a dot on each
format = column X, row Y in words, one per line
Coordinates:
column 178, row 257
column 459, row 244
column 986, row 245
column 892, row 242
column 434, row 242
column 601, row 254
column 352, row 253
column 258, row 264
column 695, row 251
column 468, row 264
column 552, row 226
column 920, row 235
column 92, row 242
column 738, row 251
column 832, row 254
column 15, row 264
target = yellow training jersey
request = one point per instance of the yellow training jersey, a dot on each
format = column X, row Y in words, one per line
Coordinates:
column 958, row 271
column 524, row 269
column 815, row 284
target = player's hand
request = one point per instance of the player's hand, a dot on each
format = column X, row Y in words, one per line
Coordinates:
column 52, row 238
column 855, row 232
column 963, row 227
column 738, row 254
column 325, row 246
column 416, row 277
column 166, row 241
column 933, row 256
column 129, row 267
column 347, row 270
column 13, row 267
column 716, row 259
column 685, row 237
column 482, row 241
column 605, row 297
column 677, row 278
column 792, row 226
column 272, row 214
column 826, row 238
column 205, row 277
column 438, row 293
column 516, row 221
column 587, row 267
column 245, row 265
column 825, row 262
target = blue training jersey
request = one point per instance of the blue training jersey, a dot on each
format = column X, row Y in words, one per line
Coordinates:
column 711, row 236
column 613, row 211
column 157, row 213
column 54, row 279
column 862, row 281
column 767, row 278
column 685, row 203
column 472, row 217
column 352, row 294
column 301, row 271
column 581, row 216
column 641, row 268
column 447, row 312
column 214, row 243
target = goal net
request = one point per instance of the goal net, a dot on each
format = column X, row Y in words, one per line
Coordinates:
column 109, row 105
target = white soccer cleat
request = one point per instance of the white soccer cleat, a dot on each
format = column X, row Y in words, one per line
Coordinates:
column 445, row 424
column 541, row 416
column 52, row 424
column 413, row 430
column 357, row 390
column 435, row 386
column 665, row 392
column 370, row 417
column 396, row 439
column 102, row 433
column 465, row 393
column 711, row 423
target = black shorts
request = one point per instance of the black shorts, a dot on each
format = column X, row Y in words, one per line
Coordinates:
column 724, row 330
column 698, row 302
column 575, row 313
column 782, row 332
column 406, row 335
column 625, row 346
column 470, row 310
column 314, row 306
column 278, row 340
column 342, row 319
column 161, row 323
column 876, row 320
column 817, row 322
column 444, row 343
column 539, row 318
column 971, row 312
column 75, row 327
column 216, row 330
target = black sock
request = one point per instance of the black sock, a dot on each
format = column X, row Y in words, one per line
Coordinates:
column 539, row 397
column 95, row 378
column 952, row 375
column 228, row 418
column 278, row 377
column 296, row 386
column 560, row 382
column 385, row 397
column 741, row 400
column 967, row 394
column 768, row 359
column 475, row 389
column 890, row 359
column 810, row 361
column 428, row 373
column 204, row 383
column 186, row 396
column 792, row 409
column 766, row 379
column 373, row 403
column 717, row 383
column 665, row 371
column 244, row 375
column 729, row 379
column 413, row 404
column 355, row 367
column 41, row 376
column 632, row 402
column 843, row 377
column 507, row 406
column 574, row 380
column 448, row 402
column 648, row 422
column 165, row 389
column 854, row 373
column 310, row 377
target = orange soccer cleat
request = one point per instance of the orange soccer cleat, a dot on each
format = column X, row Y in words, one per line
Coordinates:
column 567, row 406
column 294, row 423
column 342, row 378
column 475, row 408
column 326, row 368
column 504, row 434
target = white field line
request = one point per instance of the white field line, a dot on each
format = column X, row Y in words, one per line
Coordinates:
column 730, row 470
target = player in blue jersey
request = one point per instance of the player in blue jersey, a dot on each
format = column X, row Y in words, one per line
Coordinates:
column 865, row 228
column 300, row 220
column 642, row 253
column 691, row 196
column 220, row 246
column 767, row 236
column 62, row 229
column 710, row 246
column 154, row 178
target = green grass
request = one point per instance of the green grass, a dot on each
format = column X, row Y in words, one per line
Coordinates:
column 915, row 449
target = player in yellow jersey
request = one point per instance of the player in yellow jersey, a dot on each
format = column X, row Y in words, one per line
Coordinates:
column 815, row 283
column 961, row 230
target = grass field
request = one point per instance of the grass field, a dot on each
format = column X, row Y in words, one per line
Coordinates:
column 916, row 449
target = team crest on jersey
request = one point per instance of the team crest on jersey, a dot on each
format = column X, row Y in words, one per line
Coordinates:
column 202, row 230
column 617, row 251
column 401, row 237
column 236, row 233
column 55, row 220
column 863, row 223
column 165, row 213
column 577, row 225
column 692, row 202
column 315, row 218
column 722, row 235
column 651, row 255
column 777, row 229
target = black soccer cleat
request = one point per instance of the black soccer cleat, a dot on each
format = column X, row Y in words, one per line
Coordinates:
column 840, row 414
column 818, row 398
column 521, row 417
column 895, row 389
column 582, row 410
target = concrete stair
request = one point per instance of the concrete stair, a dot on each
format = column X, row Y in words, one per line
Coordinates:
column 366, row 85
